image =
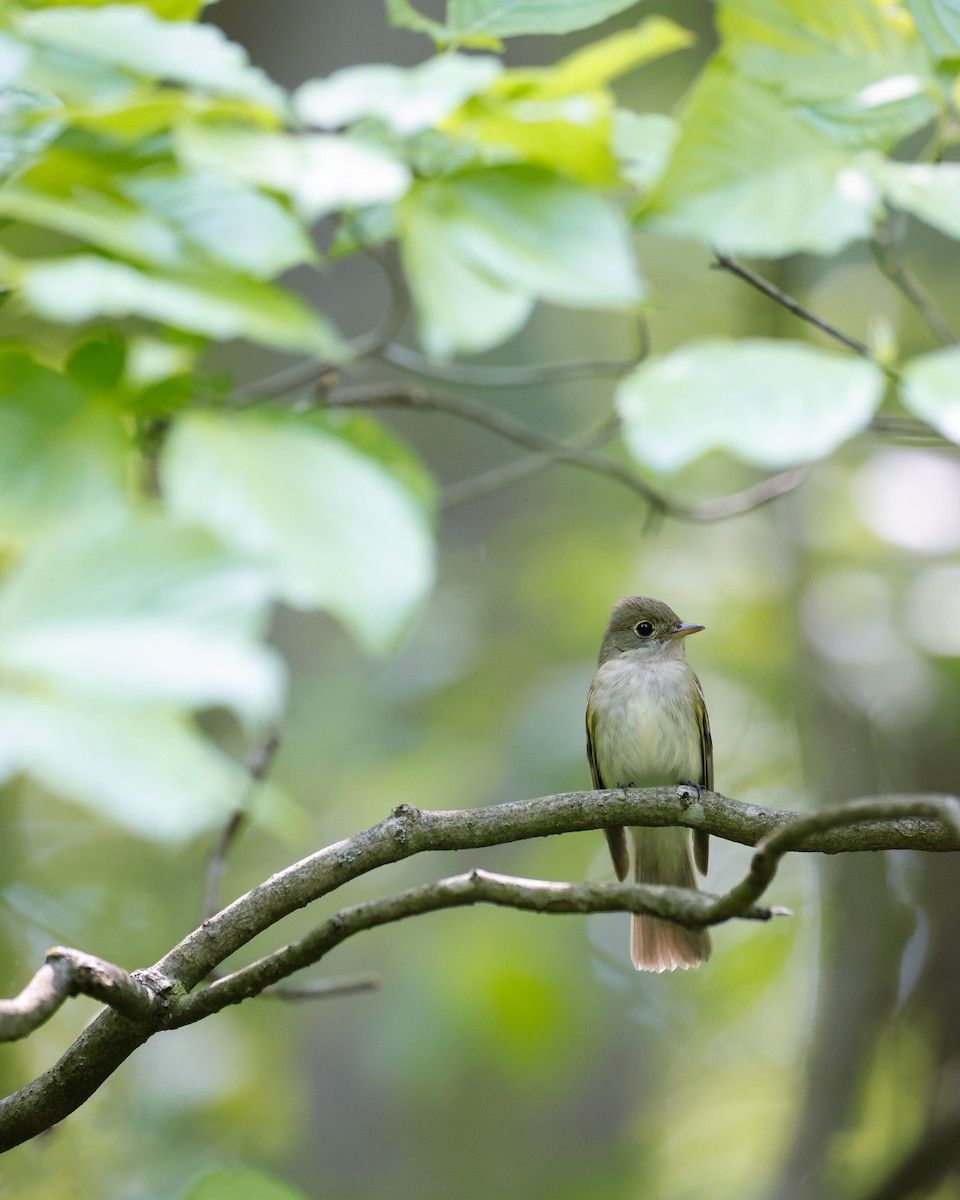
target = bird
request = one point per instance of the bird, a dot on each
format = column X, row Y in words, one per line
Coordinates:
column 647, row 726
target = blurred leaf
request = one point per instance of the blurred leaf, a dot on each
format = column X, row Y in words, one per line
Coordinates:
column 96, row 218
column 642, row 143
column 333, row 527
column 560, row 117
column 141, row 613
column 479, row 247
column 507, row 18
column 146, row 769
column 59, row 452
column 939, row 24
column 402, row 14
column 855, row 64
column 234, row 223
column 371, row 226
column 240, row 1184
column 771, row 403
column 23, row 131
column 931, row 389
column 217, row 304
column 749, row 177
column 133, row 39
column 170, row 10
column 157, row 110
column 408, row 100
column 97, row 363
column 319, row 172
column 600, row 62
column 930, row 191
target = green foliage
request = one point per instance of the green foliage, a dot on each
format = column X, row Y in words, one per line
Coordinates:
column 931, row 389
column 273, row 488
column 240, row 1184
column 772, row 403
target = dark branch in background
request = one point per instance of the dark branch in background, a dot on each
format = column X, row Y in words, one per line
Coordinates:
column 724, row 262
column 377, row 395
column 924, row 823
column 886, row 254
column 257, row 766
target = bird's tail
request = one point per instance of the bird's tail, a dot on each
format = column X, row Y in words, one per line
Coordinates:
column 663, row 856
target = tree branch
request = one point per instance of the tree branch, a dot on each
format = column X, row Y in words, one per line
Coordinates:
column 723, row 262
column 67, row 973
column 506, row 426
column 898, row 822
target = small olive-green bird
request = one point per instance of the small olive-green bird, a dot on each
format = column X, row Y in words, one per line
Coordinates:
column 647, row 727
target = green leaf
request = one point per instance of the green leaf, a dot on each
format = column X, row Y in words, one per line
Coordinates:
column 642, row 143
column 561, row 117
column 939, row 24
column 96, row 218
column 24, row 132
column 408, row 100
column 333, row 526
column 140, row 613
column 748, row 177
column 508, row 18
column 319, row 172
column 147, row 770
column 931, row 389
column 402, row 14
column 170, row 10
column 60, row 453
column 771, row 403
column 218, row 305
column 857, row 66
column 232, row 222
column 481, row 246
column 133, row 39
column 930, row 191
column 240, row 1184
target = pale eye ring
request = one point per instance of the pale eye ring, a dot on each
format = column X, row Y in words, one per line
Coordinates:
column 643, row 629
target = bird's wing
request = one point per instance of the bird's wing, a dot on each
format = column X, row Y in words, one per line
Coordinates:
column 616, row 835
column 701, row 840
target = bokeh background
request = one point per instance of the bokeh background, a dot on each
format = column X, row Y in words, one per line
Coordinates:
column 519, row 1056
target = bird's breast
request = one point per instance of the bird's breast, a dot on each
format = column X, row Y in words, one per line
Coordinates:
column 645, row 726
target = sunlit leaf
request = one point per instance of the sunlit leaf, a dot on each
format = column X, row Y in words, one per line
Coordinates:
column 319, row 172
column 931, row 389
column 939, row 24
column 858, row 67
column 330, row 524
column 747, row 176
column 771, row 403
column 146, row 769
column 170, row 10
column 481, row 246
column 233, row 223
column 408, row 100
column 133, row 39
column 642, row 143
column 403, row 14
column 59, row 452
column 930, row 191
column 142, row 613
column 240, row 1184
column 218, row 305
column 507, row 18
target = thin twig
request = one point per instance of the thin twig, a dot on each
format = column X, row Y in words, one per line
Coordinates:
column 473, row 375
column 886, row 254
column 723, row 262
column 257, row 765
column 349, row 985
column 378, row 395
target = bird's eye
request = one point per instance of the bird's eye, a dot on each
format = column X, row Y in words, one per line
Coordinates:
column 644, row 629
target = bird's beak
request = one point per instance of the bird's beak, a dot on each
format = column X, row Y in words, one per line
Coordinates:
column 685, row 630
